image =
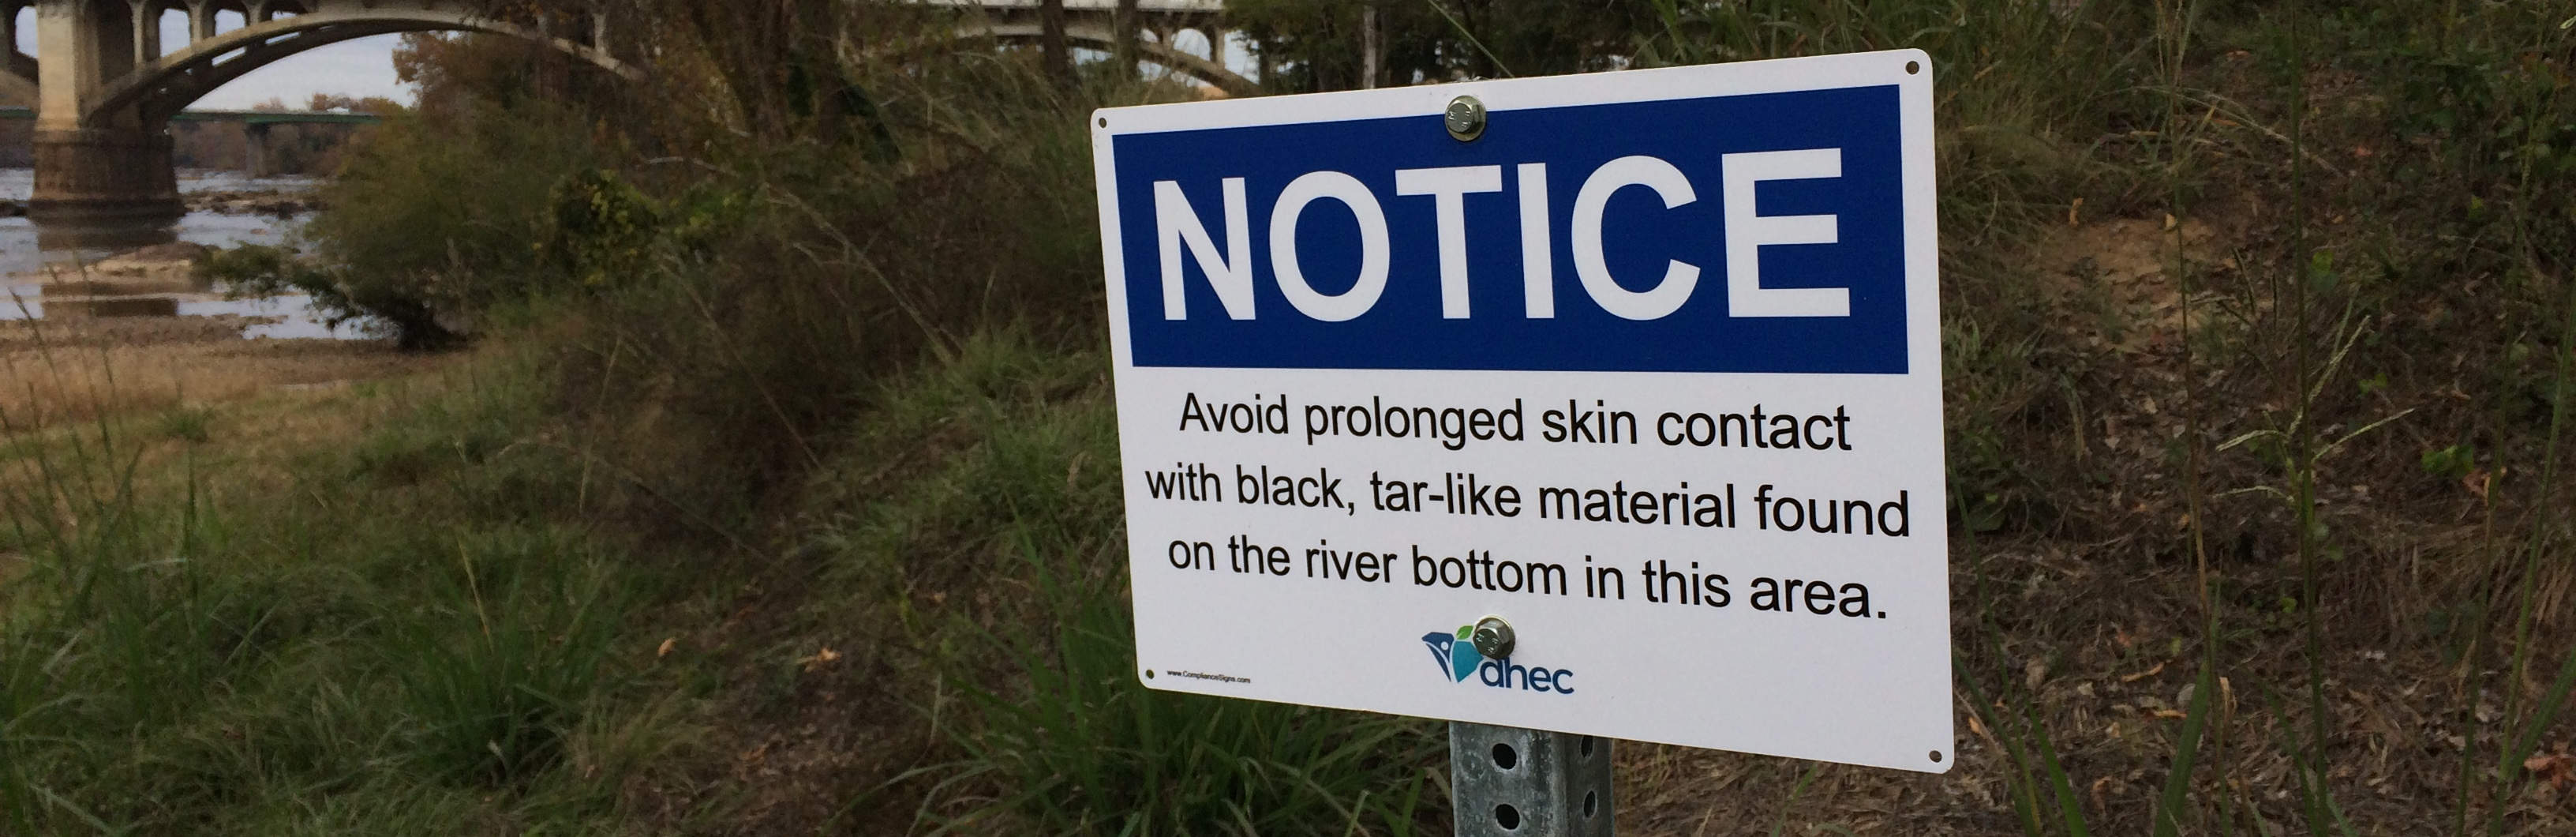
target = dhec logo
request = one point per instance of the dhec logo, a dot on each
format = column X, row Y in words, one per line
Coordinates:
column 1458, row 660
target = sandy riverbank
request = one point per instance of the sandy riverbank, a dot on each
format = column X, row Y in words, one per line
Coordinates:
column 75, row 370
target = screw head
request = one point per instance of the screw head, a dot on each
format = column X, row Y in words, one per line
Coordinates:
column 1493, row 638
column 1465, row 118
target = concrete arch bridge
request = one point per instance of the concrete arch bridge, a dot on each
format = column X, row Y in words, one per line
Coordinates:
column 1093, row 23
column 106, row 86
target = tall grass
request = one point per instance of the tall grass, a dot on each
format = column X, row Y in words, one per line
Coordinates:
column 181, row 653
column 992, row 588
column 1081, row 747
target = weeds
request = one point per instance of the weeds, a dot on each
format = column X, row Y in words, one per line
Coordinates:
column 1080, row 746
column 261, row 656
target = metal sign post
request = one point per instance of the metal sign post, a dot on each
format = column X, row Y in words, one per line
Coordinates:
column 1516, row 782
column 1525, row 782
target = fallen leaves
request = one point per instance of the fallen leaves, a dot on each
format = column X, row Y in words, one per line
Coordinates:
column 2558, row 769
column 2478, row 481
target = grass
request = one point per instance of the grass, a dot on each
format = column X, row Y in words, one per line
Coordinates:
column 995, row 566
column 408, row 628
column 283, row 657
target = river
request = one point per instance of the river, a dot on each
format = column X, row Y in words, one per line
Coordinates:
column 36, row 262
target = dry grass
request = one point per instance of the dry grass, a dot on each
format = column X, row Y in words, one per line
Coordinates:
column 83, row 370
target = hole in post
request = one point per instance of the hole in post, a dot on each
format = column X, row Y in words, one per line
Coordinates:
column 1505, row 757
column 1936, row 757
column 1586, row 747
column 1591, row 803
column 1508, row 817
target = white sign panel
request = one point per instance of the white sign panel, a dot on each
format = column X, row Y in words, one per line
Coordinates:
column 1649, row 369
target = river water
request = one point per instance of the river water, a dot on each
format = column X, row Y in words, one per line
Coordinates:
column 40, row 273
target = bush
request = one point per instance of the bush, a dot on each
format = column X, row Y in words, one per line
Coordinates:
column 445, row 211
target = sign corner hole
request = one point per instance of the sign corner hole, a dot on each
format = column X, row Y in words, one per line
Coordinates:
column 1104, row 121
column 1505, row 758
column 1149, row 675
column 1507, row 816
column 1911, row 68
column 1936, row 757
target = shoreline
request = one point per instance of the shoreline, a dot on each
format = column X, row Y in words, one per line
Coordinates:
column 104, row 367
column 140, row 331
column 268, row 202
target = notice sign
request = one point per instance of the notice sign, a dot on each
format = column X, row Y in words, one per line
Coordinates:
column 1646, row 364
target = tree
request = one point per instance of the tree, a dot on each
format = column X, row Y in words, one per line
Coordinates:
column 1124, row 23
column 1057, row 56
column 450, row 68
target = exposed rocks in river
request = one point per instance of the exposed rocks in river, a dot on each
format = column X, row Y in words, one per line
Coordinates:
column 280, row 204
column 157, row 269
column 187, row 252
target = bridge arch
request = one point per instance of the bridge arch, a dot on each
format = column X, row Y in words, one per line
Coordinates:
column 1099, row 34
column 277, row 29
column 18, row 69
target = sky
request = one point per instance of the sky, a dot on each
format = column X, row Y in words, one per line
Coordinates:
column 364, row 67
column 360, row 68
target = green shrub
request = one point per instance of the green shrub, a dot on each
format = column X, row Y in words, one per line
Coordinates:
column 447, row 213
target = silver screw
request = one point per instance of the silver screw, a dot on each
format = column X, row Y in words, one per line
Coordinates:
column 1493, row 638
column 1465, row 118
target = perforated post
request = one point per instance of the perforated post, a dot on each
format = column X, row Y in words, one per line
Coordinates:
column 1514, row 782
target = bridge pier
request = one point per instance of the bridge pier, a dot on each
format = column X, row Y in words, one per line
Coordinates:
column 255, row 149
column 94, row 164
column 95, row 175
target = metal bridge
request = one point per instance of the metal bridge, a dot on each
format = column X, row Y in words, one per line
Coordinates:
column 1092, row 23
column 255, row 126
column 106, row 87
column 22, row 113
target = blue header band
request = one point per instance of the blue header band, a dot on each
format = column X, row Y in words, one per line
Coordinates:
column 1413, row 322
